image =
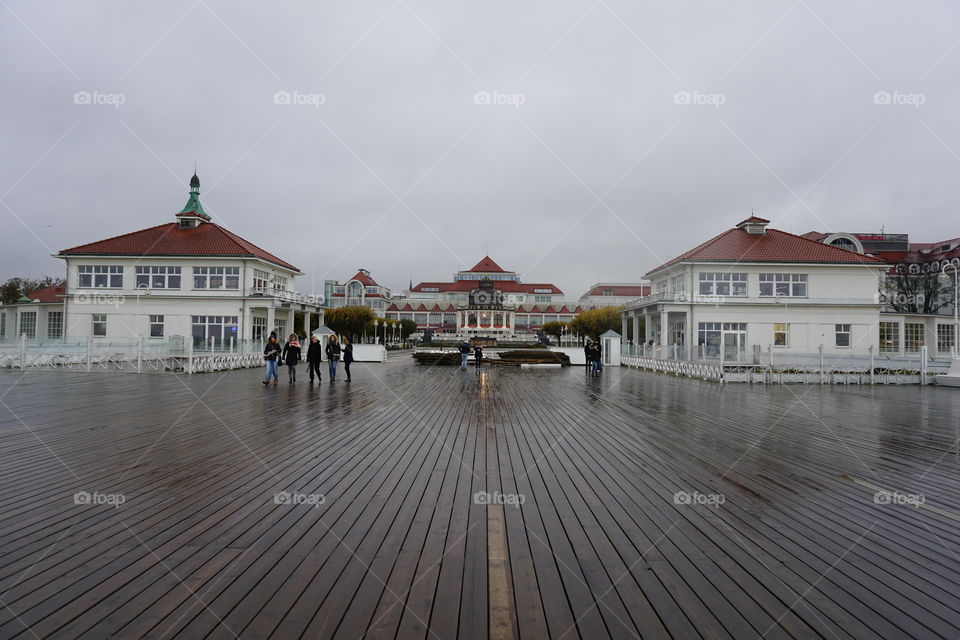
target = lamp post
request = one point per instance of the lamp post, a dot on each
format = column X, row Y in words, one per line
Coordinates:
column 376, row 326
column 944, row 278
column 142, row 288
column 384, row 333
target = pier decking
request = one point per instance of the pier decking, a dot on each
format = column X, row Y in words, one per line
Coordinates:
column 426, row 502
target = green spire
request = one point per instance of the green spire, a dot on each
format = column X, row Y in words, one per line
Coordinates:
column 193, row 204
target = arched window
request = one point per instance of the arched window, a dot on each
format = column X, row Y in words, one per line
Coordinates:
column 472, row 320
column 844, row 243
column 498, row 320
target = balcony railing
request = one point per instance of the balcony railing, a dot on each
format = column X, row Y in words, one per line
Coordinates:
column 286, row 296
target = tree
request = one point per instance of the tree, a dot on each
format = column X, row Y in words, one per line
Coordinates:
column 14, row 288
column 407, row 327
column 554, row 328
column 349, row 321
column 595, row 322
column 916, row 292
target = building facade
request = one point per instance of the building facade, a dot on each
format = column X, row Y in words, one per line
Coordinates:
column 451, row 307
column 189, row 279
column 614, row 294
column 360, row 290
column 753, row 288
column 37, row 315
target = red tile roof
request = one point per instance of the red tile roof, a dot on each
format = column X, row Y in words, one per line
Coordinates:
column 364, row 279
column 49, row 294
column 507, row 286
column 620, row 290
column 487, row 265
column 207, row 239
column 773, row 246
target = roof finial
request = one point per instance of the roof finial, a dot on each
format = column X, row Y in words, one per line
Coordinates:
column 193, row 204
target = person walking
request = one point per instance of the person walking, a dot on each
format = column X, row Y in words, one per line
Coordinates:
column 478, row 355
column 588, row 355
column 347, row 355
column 333, row 355
column 271, row 352
column 292, row 355
column 464, row 354
column 314, row 356
column 598, row 357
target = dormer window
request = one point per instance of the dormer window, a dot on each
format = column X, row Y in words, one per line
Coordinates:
column 188, row 223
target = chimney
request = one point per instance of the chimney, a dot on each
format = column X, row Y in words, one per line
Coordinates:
column 754, row 226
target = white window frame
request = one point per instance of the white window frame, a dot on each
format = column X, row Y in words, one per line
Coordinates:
column 88, row 276
column 716, row 283
column 893, row 336
column 203, row 276
column 946, row 340
column 261, row 279
column 781, row 328
column 54, row 321
column 784, row 285
column 98, row 320
column 21, row 329
column 840, row 330
column 157, row 320
column 914, row 337
column 158, row 277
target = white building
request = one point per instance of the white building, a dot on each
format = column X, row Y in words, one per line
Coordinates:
column 753, row 288
column 187, row 278
column 359, row 291
column 614, row 294
column 37, row 315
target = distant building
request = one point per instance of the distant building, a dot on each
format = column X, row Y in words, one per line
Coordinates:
column 359, row 291
column 614, row 294
column 189, row 278
column 450, row 307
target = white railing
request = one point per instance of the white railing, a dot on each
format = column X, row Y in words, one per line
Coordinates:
column 286, row 296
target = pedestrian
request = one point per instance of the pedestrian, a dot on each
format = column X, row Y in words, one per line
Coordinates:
column 588, row 355
column 478, row 355
column 464, row 354
column 292, row 355
column 347, row 356
column 333, row 355
column 314, row 356
column 598, row 355
column 270, row 353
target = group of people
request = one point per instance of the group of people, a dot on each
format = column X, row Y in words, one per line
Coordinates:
column 291, row 354
column 464, row 350
column 594, row 353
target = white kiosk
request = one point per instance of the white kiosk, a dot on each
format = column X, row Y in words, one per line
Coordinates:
column 610, row 346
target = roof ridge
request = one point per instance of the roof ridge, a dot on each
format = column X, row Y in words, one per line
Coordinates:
column 831, row 246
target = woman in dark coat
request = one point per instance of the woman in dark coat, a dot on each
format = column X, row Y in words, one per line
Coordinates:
column 314, row 357
column 271, row 353
column 333, row 354
column 347, row 356
column 291, row 355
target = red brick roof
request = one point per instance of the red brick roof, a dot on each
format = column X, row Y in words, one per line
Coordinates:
column 207, row 239
column 773, row 246
column 52, row 293
column 487, row 265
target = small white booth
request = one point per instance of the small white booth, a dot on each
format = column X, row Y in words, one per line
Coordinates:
column 610, row 348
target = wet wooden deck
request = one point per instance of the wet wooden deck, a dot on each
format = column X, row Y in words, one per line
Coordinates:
column 603, row 545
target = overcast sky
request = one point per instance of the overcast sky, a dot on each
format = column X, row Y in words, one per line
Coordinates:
column 612, row 135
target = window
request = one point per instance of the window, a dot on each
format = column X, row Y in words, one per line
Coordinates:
column 793, row 285
column 55, row 324
column 608, row 292
column 158, row 277
column 732, row 335
column 889, row 337
column 678, row 284
column 261, row 279
column 280, row 282
column 220, row 328
column 28, row 324
column 100, row 276
column 946, row 341
column 723, row 284
column 3, row 323
column 543, row 290
column 430, row 289
column 156, row 326
column 842, row 335
column 542, row 298
column 216, row 277
column 281, row 328
column 781, row 335
column 259, row 329
column 99, row 324
column 913, row 336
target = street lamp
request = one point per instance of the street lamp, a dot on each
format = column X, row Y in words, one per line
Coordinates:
column 144, row 288
column 944, row 278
